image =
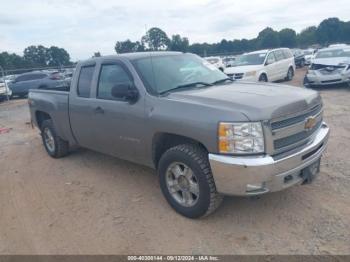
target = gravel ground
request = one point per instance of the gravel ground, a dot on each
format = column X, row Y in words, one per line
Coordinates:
column 89, row 203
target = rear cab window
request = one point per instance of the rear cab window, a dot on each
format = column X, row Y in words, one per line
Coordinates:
column 84, row 81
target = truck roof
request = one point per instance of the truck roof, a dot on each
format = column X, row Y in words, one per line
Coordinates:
column 134, row 56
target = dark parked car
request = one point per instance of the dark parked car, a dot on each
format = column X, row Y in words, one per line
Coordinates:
column 36, row 80
column 299, row 57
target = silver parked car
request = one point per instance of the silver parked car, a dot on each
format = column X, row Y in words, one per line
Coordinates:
column 330, row 66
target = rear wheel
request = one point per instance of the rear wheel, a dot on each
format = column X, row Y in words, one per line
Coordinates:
column 186, row 181
column 290, row 74
column 55, row 146
column 263, row 78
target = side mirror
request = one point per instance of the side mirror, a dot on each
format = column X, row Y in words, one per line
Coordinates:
column 125, row 92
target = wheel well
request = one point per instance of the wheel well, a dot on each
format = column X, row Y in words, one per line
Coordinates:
column 263, row 74
column 41, row 117
column 163, row 141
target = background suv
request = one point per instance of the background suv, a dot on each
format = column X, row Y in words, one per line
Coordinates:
column 263, row 65
column 35, row 80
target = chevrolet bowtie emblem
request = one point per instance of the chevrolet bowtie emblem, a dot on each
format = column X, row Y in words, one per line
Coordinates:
column 310, row 123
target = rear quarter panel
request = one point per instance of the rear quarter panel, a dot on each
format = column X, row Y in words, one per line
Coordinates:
column 55, row 104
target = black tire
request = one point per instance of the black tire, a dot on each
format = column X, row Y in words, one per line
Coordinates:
column 263, row 78
column 60, row 148
column 302, row 63
column 306, row 82
column 197, row 160
column 290, row 74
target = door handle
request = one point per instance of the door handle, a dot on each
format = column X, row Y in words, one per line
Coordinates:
column 99, row 110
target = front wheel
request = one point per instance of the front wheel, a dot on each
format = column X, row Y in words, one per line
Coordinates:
column 186, row 181
column 306, row 82
column 263, row 78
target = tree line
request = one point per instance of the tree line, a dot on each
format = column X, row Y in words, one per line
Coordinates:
column 329, row 31
column 36, row 56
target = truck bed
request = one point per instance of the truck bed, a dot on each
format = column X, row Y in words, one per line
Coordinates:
column 54, row 103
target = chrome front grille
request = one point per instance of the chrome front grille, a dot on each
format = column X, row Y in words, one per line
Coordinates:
column 236, row 76
column 290, row 133
column 290, row 140
column 296, row 119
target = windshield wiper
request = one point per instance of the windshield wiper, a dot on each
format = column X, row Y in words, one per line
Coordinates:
column 222, row 81
column 194, row 84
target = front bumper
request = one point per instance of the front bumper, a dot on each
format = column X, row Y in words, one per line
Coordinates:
column 255, row 175
column 320, row 79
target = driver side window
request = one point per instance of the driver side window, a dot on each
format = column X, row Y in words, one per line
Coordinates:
column 270, row 59
column 110, row 76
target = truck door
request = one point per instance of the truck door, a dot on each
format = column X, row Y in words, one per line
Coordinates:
column 116, row 126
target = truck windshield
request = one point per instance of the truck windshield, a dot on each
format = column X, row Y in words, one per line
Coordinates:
column 164, row 73
column 250, row 59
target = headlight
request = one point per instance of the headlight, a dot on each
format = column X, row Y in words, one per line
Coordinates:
column 251, row 73
column 241, row 138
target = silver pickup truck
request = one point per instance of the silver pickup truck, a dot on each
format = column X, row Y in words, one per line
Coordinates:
column 206, row 135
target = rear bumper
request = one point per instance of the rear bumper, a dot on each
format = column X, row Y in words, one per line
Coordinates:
column 255, row 175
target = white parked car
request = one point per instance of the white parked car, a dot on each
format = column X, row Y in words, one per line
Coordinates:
column 5, row 91
column 229, row 61
column 216, row 61
column 264, row 65
column 309, row 55
column 330, row 66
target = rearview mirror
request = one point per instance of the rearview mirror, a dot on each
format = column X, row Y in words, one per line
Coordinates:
column 125, row 92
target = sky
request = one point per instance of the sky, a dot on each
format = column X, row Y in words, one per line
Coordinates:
column 83, row 27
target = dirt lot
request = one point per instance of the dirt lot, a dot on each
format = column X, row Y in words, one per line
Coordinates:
column 89, row 203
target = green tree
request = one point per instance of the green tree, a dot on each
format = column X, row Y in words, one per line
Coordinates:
column 128, row 46
column 156, row 39
column 288, row 38
column 11, row 61
column 307, row 37
column 330, row 31
column 178, row 43
column 57, row 56
column 36, row 55
column 346, row 32
column 268, row 38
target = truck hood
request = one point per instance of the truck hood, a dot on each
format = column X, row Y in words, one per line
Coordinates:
column 242, row 69
column 256, row 101
column 333, row 61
